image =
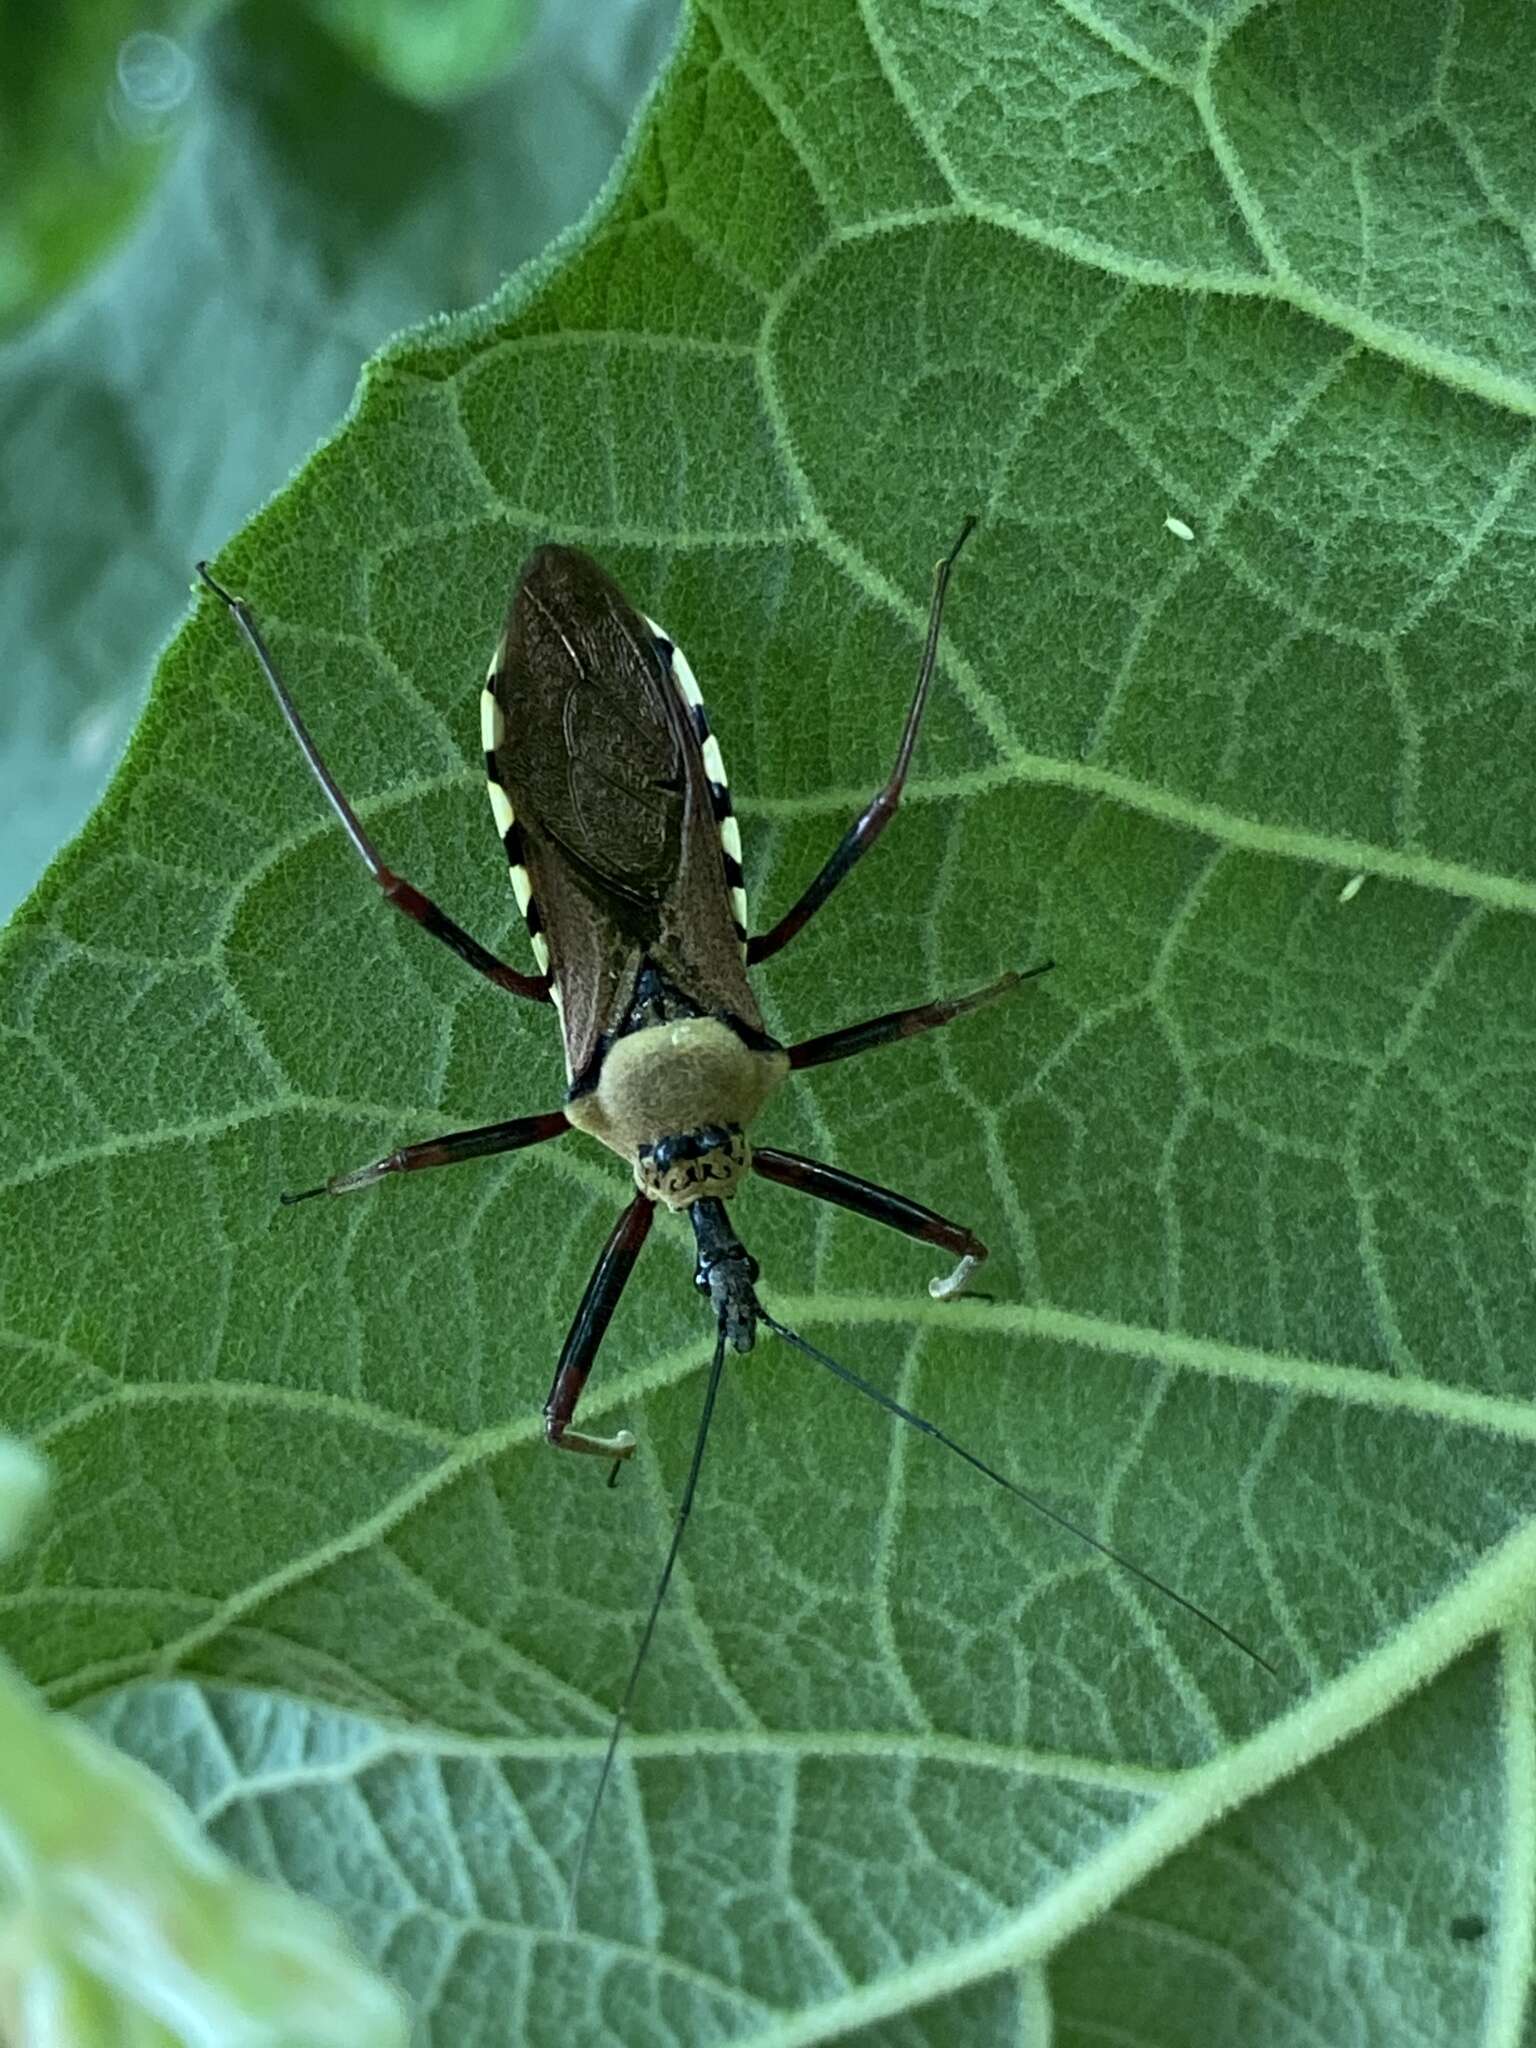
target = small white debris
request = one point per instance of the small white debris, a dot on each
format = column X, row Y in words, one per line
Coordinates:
column 1178, row 528
column 1352, row 888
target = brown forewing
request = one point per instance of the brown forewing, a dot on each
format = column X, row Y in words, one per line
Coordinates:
column 606, row 777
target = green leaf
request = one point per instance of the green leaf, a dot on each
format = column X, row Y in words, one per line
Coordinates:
column 908, row 1765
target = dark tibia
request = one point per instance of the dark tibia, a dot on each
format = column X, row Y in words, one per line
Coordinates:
column 863, row 833
column 422, row 910
column 856, row 1038
column 586, row 1334
column 408, row 900
column 447, row 1151
column 881, row 1205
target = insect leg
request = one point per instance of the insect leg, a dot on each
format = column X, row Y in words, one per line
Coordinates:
column 476, row 1144
column 855, row 1038
column 586, row 1333
column 881, row 1205
column 866, row 829
column 406, row 899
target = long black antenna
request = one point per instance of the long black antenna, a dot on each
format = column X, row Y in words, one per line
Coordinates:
column 244, row 618
column 684, row 1508
column 893, row 1407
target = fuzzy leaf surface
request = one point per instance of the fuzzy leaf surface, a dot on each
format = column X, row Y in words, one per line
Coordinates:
column 1255, row 1160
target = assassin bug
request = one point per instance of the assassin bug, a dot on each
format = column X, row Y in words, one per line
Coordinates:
column 609, row 792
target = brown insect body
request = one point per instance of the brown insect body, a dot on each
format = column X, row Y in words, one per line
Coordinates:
column 614, row 829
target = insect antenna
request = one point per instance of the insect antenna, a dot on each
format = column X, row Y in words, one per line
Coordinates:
column 680, row 1522
column 918, row 1422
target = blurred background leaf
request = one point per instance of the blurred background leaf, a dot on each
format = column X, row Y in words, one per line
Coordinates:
column 118, row 1929
column 149, row 412
column 89, row 102
column 431, row 51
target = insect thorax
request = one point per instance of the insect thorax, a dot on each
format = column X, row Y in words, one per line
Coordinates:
column 681, row 1170
column 674, row 1099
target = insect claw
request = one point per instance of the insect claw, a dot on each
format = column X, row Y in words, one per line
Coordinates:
column 618, row 1447
column 955, row 1283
